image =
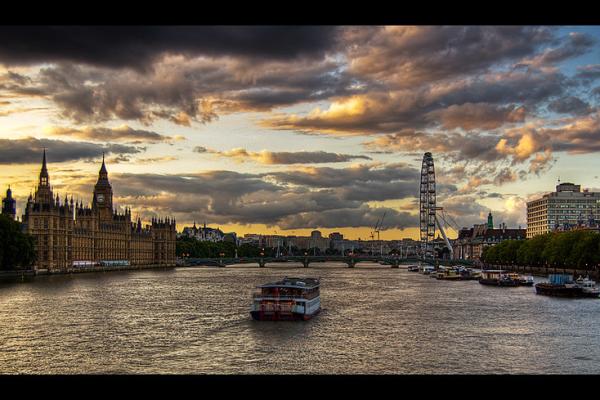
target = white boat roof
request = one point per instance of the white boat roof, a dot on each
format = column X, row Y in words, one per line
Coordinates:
column 300, row 283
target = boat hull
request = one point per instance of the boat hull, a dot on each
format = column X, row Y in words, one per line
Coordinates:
column 281, row 316
column 450, row 278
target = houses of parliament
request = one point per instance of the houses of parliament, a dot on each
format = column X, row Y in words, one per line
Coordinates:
column 69, row 234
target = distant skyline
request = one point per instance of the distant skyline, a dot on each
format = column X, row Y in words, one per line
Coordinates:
column 289, row 129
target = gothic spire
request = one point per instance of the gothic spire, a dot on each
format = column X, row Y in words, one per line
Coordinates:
column 103, row 172
column 44, row 178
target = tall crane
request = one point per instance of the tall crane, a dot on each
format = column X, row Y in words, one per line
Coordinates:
column 379, row 225
column 376, row 229
column 379, row 229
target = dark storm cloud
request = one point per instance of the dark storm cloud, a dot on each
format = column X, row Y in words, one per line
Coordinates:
column 140, row 46
column 183, row 90
column 570, row 105
column 29, row 150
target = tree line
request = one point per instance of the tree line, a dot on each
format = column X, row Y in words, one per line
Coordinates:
column 17, row 249
column 573, row 249
column 192, row 248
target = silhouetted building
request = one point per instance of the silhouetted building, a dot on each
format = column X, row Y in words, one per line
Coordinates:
column 9, row 205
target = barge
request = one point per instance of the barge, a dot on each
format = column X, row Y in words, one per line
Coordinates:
column 562, row 285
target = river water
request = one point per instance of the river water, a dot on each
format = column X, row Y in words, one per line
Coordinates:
column 375, row 320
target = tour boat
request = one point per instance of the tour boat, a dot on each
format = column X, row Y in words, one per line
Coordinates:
column 497, row 277
column 562, row 285
column 288, row 299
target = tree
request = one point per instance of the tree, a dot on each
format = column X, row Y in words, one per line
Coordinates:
column 17, row 249
column 584, row 253
column 531, row 251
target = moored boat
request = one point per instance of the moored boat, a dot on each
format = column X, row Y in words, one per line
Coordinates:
column 562, row 285
column 413, row 268
column 426, row 270
column 522, row 280
column 588, row 286
column 449, row 274
column 288, row 299
column 468, row 274
column 497, row 277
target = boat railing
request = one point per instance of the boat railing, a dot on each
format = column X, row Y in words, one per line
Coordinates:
column 283, row 297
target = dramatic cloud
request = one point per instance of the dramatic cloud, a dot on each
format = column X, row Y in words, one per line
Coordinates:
column 29, row 150
column 485, row 102
column 574, row 45
column 570, row 105
column 275, row 199
column 283, row 157
column 494, row 104
column 181, row 90
column 469, row 116
column 409, row 56
column 122, row 133
column 139, row 46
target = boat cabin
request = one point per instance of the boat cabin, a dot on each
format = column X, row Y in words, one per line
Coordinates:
column 307, row 288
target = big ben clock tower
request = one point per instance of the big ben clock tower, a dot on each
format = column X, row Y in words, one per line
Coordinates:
column 102, row 201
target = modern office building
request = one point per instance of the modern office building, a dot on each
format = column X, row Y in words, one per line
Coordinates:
column 566, row 209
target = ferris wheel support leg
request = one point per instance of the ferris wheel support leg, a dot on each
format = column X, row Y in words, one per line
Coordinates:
column 441, row 228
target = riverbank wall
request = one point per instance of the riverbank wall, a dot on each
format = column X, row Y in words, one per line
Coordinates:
column 100, row 268
column 16, row 275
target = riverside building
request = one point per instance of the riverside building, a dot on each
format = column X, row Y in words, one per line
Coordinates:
column 471, row 241
column 567, row 208
column 69, row 234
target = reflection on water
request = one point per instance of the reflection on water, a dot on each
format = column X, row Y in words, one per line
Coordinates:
column 374, row 320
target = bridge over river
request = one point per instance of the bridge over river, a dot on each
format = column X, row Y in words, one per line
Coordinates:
column 351, row 261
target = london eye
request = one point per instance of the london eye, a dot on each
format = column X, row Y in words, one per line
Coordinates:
column 428, row 209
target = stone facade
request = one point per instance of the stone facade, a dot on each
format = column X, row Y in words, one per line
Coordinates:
column 69, row 234
column 471, row 241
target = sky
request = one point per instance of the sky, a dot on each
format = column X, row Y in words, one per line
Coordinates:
column 282, row 130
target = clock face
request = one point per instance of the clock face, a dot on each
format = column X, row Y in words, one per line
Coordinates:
column 100, row 198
